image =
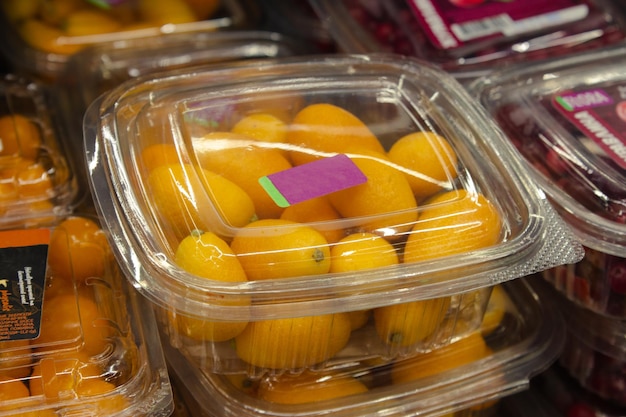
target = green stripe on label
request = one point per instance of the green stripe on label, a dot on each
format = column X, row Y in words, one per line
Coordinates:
column 563, row 103
column 273, row 192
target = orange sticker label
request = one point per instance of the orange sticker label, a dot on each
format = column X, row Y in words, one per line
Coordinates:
column 28, row 237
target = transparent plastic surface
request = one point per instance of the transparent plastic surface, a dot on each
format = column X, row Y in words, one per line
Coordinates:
column 566, row 119
column 521, row 336
column 37, row 182
column 467, row 37
column 101, row 67
column 42, row 36
column 76, row 338
column 214, row 224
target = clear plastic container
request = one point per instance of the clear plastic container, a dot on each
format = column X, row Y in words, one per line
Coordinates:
column 524, row 335
column 99, row 68
column 566, row 119
column 470, row 37
column 37, row 180
column 41, row 36
column 235, row 237
column 75, row 338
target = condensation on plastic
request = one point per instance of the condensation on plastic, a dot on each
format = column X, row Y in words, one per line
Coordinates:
column 525, row 343
column 38, row 186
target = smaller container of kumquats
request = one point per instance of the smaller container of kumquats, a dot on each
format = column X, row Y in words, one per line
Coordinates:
column 521, row 336
column 75, row 337
column 37, row 179
column 41, row 35
column 98, row 68
column 470, row 38
column 314, row 210
column 568, row 120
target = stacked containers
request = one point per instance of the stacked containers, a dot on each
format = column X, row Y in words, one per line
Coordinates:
column 41, row 36
column 210, row 220
column 566, row 118
column 73, row 338
column 470, row 37
column 456, row 381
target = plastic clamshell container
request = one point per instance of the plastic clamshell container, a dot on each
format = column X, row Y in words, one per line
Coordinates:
column 576, row 154
column 40, row 39
column 300, row 275
column 469, row 37
column 522, row 342
column 76, row 338
column 37, row 181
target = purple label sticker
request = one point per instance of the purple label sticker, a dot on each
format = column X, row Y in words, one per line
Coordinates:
column 315, row 179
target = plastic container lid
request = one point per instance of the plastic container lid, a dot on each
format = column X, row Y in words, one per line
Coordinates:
column 525, row 341
column 37, row 181
column 41, row 39
column 75, row 338
column 395, row 97
column 469, row 37
column 565, row 118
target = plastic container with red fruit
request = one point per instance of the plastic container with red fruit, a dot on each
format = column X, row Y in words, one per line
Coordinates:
column 565, row 118
column 471, row 37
